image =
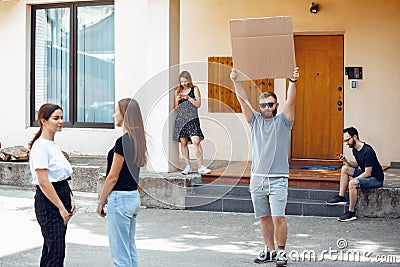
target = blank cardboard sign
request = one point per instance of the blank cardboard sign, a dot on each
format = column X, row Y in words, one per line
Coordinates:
column 263, row 47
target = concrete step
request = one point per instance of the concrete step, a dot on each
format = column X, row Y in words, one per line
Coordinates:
column 314, row 208
column 207, row 202
column 312, row 193
column 236, row 198
column 220, row 189
column 229, row 203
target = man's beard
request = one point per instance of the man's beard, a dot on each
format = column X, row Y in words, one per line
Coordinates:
column 270, row 115
column 352, row 144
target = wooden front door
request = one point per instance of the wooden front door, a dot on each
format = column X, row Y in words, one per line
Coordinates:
column 318, row 125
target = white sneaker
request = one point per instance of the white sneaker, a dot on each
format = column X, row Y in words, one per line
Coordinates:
column 203, row 170
column 187, row 170
column 281, row 259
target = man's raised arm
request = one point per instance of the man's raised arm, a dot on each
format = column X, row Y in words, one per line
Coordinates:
column 241, row 96
column 288, row 108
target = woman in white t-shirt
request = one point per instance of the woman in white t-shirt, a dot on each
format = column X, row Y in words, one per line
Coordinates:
column 54, row 204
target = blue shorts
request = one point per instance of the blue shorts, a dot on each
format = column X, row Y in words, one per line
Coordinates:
column 365, row 183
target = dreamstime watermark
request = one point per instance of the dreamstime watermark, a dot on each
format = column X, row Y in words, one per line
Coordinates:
column 341, row 253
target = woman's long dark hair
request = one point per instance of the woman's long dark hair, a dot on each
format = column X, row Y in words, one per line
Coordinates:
column 44, row 112
column 184, row 74
column 133, row 123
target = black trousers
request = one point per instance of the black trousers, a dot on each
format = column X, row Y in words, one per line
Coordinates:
column 52, row 224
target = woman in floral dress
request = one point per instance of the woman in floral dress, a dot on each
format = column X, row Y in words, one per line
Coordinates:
column 187, row 124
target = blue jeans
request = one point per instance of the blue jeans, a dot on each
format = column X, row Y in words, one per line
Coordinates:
column 365, row 183
column 122, row 209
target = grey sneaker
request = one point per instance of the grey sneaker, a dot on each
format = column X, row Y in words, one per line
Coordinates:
column 187, row 170
column 337, row 200
column 281, row 259
column 265, row 256
column 348, row 216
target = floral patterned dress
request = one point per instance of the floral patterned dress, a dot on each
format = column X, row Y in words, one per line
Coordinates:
column 187, row 121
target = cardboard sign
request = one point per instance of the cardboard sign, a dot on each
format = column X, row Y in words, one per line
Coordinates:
column 263, row 48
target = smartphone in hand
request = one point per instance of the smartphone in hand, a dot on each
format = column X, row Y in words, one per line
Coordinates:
column 340, row 156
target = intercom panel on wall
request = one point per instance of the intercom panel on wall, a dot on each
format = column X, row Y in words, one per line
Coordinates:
column 354, row 73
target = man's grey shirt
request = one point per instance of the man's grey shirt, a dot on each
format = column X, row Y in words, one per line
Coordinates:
column 270, row 144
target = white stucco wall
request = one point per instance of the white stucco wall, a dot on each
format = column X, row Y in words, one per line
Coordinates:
column 143, row 54
column 371, row 41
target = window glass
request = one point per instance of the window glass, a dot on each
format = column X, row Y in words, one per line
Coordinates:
column 73, row 61
column 95, row 65
column 52, row 36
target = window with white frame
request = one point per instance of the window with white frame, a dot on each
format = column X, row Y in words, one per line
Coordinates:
column 72, row 61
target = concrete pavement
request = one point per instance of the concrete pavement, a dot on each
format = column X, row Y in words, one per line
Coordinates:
column 188, row 238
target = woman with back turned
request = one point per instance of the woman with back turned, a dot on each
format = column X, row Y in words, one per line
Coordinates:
column 120, row 190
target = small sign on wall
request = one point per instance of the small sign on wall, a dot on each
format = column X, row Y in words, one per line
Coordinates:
column 353, row 84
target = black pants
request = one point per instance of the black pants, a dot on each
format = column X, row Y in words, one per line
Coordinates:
column 52, row 224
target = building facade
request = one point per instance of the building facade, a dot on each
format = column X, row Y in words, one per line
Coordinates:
column 153, row 40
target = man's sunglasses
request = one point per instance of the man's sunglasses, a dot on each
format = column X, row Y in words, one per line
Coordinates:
column 269, row 104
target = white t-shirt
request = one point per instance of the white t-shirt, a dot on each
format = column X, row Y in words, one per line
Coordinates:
column 46, row 154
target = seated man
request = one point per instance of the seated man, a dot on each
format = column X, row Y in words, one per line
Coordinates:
column 365, row 173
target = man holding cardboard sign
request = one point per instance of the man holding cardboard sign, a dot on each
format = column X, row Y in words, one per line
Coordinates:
column 270, row 133
column 270, row 136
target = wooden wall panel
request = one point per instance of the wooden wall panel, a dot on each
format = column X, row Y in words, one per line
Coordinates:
column 221, row 92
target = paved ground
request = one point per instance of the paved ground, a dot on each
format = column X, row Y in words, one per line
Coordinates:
column 183, row 238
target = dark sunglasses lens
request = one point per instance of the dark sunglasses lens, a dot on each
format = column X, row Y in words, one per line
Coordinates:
column 264, row 105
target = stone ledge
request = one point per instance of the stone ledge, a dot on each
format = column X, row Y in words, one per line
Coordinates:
column 163, row 190
column 166, row 190
column 84, row 179
column 379, row 202
column 15, row 174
